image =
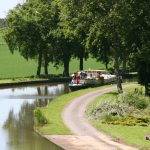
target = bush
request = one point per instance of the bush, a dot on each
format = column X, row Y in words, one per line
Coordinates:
column 136, row 100
column 110, row 107
column 41, row 120
column 128, row 109
column 126, row 120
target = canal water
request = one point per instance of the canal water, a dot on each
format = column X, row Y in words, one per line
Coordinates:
column 16, row 116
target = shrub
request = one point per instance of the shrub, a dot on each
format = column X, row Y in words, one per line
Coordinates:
column 136, row 100
column 128, row 109
column 126, row 120
column 41, row 120
column 109, row 107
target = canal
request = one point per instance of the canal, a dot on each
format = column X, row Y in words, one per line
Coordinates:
column 16, row 116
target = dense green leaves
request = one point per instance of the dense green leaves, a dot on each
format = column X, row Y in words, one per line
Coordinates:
column 2, row 23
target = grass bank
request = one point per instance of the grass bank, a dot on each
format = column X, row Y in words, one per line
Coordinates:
column 133, row 135
column 53, row 112
column 14, row 80
column 49, row 79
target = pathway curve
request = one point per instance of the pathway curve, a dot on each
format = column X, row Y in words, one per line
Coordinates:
column 74, row 118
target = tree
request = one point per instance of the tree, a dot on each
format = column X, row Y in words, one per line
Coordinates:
column 99, row 46
column 102, row 19
column 138, row 39
column 75, row 25
column 29, row 27
column 143, row 65
column 107, row 33
column 63, row 48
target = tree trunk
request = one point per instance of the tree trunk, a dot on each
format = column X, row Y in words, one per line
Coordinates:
column 39, row 62
column 147, row 89
column 106, row 66
column 66, row 68
column 124, row 62
column 81, row 63
column 116, row 61
column 116, row 47
column 81, row 59
column 46, row 62
column 117, row 72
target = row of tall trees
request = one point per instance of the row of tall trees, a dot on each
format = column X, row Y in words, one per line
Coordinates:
column 55, row 31
column 115, row 30
column 36, row 31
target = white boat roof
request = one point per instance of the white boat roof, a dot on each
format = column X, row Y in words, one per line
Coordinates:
column 94, row 70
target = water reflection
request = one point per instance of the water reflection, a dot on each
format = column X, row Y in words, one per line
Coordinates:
column 16, row 125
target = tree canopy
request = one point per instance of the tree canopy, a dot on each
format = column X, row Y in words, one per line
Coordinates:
column 115, row 31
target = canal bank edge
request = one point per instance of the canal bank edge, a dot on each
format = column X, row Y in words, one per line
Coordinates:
column 53, row 112
column 51, row 132
column 34, row 82
column 66, row 98
column 46, row 138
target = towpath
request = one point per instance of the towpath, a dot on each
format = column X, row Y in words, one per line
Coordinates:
column 85, row 136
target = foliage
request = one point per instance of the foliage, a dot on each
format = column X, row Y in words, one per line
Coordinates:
column 2, row 23
column 131, row 135
column 125, row 110
column 126, row 120
column 109, row 107
column 40, row 118
column 75, row 24
column 135, row 100
column 29, row 30
column 56, row 31
column 113, row 31
column 143, row 63
column 13, row 66
column 54, row 109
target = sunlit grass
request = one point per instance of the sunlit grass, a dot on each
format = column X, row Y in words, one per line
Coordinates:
column 54, row 109
column 133, row 135
column 14, row 65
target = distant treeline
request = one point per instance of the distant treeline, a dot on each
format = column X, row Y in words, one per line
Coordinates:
column 2, row 23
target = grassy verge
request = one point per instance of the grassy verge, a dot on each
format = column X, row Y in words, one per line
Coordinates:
column 53, row 112
column 133, row 135
column 14, row 80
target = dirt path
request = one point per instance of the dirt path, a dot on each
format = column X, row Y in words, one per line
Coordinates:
column 75, row 119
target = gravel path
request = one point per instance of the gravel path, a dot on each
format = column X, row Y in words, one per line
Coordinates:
column 74, row 118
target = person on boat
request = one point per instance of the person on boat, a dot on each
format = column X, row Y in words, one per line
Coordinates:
column 91, row 76
column 98, row 75
column 73, row 78
column 83, row 75
column 77, row 78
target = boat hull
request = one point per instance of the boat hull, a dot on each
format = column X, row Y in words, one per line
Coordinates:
column 74, row 87
column 85, row 84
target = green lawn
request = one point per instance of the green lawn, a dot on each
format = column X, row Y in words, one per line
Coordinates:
column 54, row 109
column 133, row 135
column 14, row 65
column 53, row 114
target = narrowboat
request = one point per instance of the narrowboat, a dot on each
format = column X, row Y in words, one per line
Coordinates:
column 90, row 78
